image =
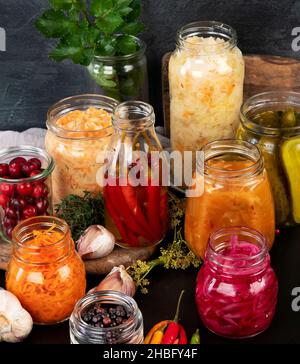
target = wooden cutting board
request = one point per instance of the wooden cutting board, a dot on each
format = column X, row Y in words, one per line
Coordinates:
column 262, row 73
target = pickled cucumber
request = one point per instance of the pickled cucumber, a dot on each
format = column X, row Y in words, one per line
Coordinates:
column 272, row 164
column 290, row 155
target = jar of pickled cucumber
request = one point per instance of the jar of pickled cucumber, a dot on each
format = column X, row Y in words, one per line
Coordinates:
column 271, row 120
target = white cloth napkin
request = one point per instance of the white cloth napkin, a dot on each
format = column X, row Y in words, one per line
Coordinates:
column 36, row 138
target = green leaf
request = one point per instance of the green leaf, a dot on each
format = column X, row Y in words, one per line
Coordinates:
column 132, row 28
column 54, row 24
column 110, row 23
column 126, row 45
column 61, row 4
column 75, row 51
column 136, row 11
column 106, row 46
column 101, row 7
column 125, row 11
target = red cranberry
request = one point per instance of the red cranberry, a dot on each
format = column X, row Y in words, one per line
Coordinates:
column 35, row 172
column 7, row 188
column 3, row 169
column 24, row 189
column 22, row 203
column 36, row 162
column 45, row 191
column 11, row 213
column 38, row 191
column 7, row 222
column 15, row 169
column 4, row 200
column 29, row 211
column 42, row 205
column 26, row 169
column 8, row 231
column 19, row 160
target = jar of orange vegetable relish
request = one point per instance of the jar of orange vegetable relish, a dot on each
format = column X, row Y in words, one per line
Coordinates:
column 45, row 272
column 79, row 128
column 236, row 193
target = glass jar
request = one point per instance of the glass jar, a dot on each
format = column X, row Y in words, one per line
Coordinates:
column 45, row 272
column 25, row 186
column 271, row 121
column 79, row 128
column 136, row 202
column 129, row 332
column 206, row 75
column 123, row 78
column 236, row 193
column 236, row 289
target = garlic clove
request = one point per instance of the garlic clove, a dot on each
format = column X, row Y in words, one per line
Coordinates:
column 118, row 280
column 96, row 242
column 15, row 322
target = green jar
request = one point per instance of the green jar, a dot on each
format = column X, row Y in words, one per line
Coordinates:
column 271, row 120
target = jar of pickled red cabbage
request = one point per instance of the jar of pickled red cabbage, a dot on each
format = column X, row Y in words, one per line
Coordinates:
column 206, row 74
column 271, row 121
column 136, row 199
column 236, row 192
column 45, row 272
column 236, row 290
column 79, row 128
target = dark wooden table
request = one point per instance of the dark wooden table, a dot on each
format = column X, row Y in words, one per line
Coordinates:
column 160, row 302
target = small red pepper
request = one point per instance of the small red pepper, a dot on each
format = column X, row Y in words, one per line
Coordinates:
column 182, row 336
column 174, row 329
column 153, row 208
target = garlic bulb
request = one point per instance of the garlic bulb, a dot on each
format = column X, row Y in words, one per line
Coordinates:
column 118, row 280
column 96, row 242
column 15, row 322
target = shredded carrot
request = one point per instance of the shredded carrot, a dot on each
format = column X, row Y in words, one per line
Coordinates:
column 50, row 289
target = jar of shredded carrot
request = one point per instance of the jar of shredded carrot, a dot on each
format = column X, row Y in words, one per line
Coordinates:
column 79, row 130
column 45, row 272
column 236, row 192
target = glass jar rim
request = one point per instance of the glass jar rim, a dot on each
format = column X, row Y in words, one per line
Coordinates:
column 259, row 103
column 231, row 146
column 140, row 51
column 37, row 220
column 95, row 297
column 243, row 231
column 64, row 106
column 28, row 149
column 144, row 111
column 216, row 29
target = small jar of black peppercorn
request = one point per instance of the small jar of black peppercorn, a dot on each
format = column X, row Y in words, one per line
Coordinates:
column 106, row 317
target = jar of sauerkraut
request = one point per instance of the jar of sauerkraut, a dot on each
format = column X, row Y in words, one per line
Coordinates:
column 206, row 75
column 79, row 129
column 236, row 290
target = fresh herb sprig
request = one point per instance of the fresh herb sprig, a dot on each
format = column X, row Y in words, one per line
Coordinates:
column 176, row 255
column 81, row 212
column 87, row 29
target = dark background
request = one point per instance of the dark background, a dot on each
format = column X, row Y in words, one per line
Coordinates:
column 30, row 83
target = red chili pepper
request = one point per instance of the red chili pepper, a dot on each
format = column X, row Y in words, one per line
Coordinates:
column 173, row 330
column 182, row 336
column 124, row 232
column 130, row 198
column 153, row 208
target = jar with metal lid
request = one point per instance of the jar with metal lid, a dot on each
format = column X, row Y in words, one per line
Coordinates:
column 130, row 331
column 206, row 74
column 236, row 192
column 45, row 272
column 236, row 289
column 25, row 186
column 271, row 121
column 79, row 130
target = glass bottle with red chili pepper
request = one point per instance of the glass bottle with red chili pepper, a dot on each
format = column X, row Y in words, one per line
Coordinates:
column 136, row 201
